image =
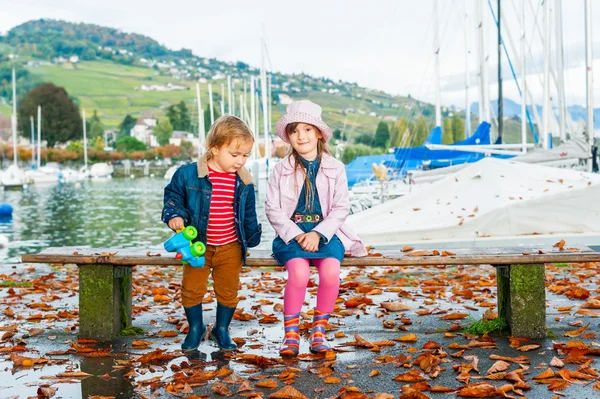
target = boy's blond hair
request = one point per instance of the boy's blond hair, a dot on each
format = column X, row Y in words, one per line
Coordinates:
column 225, row 130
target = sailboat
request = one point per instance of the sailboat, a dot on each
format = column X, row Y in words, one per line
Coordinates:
column 13, row 177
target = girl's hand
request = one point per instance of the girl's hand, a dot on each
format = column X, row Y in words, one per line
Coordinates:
column 309, row 241
column 176, row 224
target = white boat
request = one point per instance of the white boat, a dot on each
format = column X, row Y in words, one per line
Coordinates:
column 489, row 199
column 43, row 175
column 101, row 170
column 71, row 175
column 13, row 178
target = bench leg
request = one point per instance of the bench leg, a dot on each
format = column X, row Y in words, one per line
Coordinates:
column 522, row 299
column 104, row 301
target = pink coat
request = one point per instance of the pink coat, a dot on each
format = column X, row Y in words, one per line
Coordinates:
column 284, row 188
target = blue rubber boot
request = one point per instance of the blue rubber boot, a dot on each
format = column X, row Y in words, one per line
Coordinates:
column 220, row 332
column 197, row 328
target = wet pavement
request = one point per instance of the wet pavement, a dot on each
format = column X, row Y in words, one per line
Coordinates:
column 158, row 311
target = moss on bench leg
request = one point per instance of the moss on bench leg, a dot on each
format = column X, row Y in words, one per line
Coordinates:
column 102, row 300
column 522, row 299
column 126, row 327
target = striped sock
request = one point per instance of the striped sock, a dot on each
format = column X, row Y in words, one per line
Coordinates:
column 291, row 340
column 317, row 338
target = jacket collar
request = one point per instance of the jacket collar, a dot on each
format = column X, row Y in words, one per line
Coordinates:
column 327, row 162
column 243, row 173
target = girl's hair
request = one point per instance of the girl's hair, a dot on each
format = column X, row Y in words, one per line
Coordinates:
column 309, row 192
column 225, row 130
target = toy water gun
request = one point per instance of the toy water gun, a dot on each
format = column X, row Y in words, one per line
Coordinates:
column 187, row 252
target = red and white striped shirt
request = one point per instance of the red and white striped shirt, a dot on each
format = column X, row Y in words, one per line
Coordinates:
column 221, row 224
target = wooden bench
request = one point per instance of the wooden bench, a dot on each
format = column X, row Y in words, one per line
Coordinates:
column 105, row 279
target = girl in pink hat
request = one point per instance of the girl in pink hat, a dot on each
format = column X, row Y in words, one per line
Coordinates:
column 307, row 205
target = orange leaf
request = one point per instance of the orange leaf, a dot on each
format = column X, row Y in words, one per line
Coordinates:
column 477, row 391
column 166, row 334
column 454, row 316
column 578, row 332
column 407, row 338
column 271, row 384
column 546, row 374
column 288, row 392
column 527, row 348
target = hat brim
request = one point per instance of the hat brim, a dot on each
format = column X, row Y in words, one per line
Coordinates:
column 301, row 117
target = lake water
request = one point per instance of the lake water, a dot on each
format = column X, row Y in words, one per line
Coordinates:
column 112, row 213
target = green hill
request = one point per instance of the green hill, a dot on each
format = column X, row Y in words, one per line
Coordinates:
column 103, row 69
column 113, row 65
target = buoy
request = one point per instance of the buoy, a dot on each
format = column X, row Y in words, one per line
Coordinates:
column 151, row 174
column 5, row 210
column 132, row 176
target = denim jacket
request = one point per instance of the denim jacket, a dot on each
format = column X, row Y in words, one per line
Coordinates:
column 188, row 196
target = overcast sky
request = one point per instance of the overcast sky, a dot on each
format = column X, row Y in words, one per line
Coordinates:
column 383, row 44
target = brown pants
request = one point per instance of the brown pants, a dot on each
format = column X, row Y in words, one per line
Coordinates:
column 225, row 262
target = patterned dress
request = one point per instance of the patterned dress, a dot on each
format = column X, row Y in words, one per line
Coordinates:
column 333, row 249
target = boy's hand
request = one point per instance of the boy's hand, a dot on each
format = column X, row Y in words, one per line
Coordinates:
column 309, row 241
column 176, row 224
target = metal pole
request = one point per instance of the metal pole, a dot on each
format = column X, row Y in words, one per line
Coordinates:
column 546, row 127
column 85, row 155
column 39, row 143
column 500, row 99
column 229, row 95
column 14, row 117
column 561, row 75
column 222, row 99
column 589, row 81
column 523, row 81
column 201, row 129
column 32, row 140
column 210, row 104
column 467, row 53
column 436, row 52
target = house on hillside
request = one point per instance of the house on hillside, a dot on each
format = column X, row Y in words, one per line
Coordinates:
column 144, row 129
column 179, row 137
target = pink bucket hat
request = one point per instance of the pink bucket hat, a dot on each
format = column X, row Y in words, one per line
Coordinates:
column 303, row 111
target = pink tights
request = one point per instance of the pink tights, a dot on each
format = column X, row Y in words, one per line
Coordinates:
column 298, row 275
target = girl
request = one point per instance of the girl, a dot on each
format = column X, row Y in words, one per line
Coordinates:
column 215, row 195
column 307, row 204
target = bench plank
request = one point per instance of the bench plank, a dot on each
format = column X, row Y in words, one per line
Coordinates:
column 470, row 256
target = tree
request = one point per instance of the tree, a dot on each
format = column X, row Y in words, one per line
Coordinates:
column 337, row 134
column 364, row 138
column 401, row 127
column 98, row 143
column 173, row 115
column 382, row 135
column 458, row 128
column 97, row 130
column 95, row 117
column 419, row 130
column 126, row 125
column 184, row 117
column 61, row 120
column 447, row 136
column 163, row 132
column 179, row 117
column 128, row 144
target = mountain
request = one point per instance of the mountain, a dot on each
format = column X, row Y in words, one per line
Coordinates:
column 513, row 109
column 119, row 73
